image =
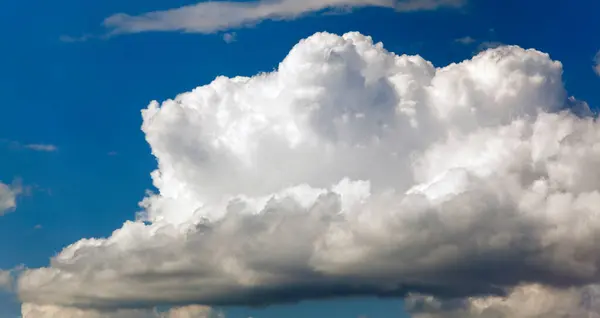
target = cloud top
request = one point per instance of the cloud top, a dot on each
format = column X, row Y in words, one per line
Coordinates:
column 353, row 171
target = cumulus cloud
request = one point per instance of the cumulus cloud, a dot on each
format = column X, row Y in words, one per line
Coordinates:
column 353, row 171
column 213, row 16
column 8, row 196
column 525, row 301
column 50, row 311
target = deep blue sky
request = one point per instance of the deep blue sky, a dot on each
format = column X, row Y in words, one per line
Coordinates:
column 85, row 98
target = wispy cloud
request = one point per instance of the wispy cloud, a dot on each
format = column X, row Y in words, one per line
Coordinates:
column 229, row 37
column 489, row 45
column 42, row 147
column 465, row 40
column 597, row 63
column 72, row 39
column 214, row 16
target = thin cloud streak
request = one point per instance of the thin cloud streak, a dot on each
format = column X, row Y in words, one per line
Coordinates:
column 42, row 147
column 213, row 16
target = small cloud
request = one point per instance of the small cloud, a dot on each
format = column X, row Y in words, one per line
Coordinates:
column 465, row 40
column 37, row 227
column 486, row 45
column 73, row 39
column 8, row 196
column 597, row 63
column 42, row 147
column 229, row 37
column 112, row 153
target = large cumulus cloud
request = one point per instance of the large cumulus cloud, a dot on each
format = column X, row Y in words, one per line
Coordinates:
column 353, row 171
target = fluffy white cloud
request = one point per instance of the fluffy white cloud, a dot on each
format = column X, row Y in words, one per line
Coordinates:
column 212, row 16
column 50, row 311
column 353, row 171
column 8, row 197
column 527, row 301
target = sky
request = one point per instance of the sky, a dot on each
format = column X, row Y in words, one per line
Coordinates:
column 336, row 177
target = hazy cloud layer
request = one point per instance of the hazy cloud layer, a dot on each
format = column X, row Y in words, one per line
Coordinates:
column 353, row 171
column 213, row 16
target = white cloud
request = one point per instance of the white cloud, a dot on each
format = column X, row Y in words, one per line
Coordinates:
column 213, row 16
column 465, row 40
column 49, row 311
column 8, row 197
column 42, row 147
column 353, row 171
column 527, row 301
column 597, row 63
column 229, row 37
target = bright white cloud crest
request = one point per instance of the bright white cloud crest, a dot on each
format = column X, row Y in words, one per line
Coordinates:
column 353, row 171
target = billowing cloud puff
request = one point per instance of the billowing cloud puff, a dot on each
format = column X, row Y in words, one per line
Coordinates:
column 353, row 171
column 528, row 301
column 49, row 311
column 8, row 196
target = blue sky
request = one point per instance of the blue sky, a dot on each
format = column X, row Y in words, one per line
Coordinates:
column 85, row 97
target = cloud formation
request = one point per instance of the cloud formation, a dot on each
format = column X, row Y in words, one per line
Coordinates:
column 42, row 147
column 353, row 171
column 213, row 16
column 8, row 197
column 525, row 301
column 49, row 311
column 230, row 37
column 466, row 40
